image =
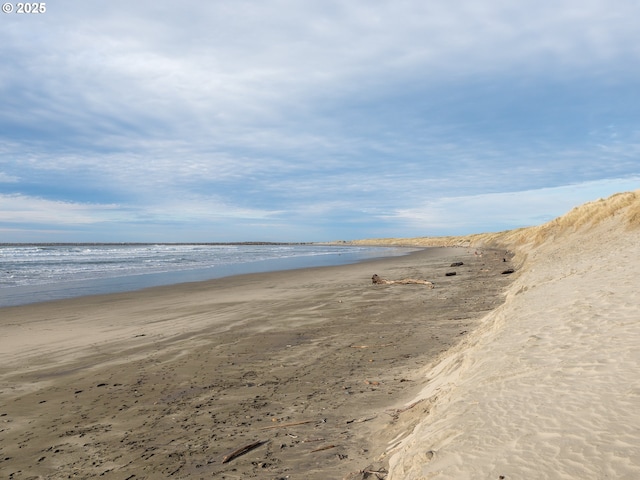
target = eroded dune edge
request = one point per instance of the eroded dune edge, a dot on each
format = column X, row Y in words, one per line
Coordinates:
column 548, row 385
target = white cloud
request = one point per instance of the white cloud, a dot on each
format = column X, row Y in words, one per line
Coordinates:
column 506, row 210
column 24, row 209
column 230, row 72
column 201, row 209
column 242, row 109
column 225, row 63
column 6, row 178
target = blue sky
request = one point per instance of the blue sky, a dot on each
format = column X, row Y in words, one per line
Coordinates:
column 294, row 120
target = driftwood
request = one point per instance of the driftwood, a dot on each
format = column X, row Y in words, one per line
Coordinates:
column 242, row 450
column 310, row 440
column 326, row 447
column 379, row 473
column 361, row 420
column 377, row 280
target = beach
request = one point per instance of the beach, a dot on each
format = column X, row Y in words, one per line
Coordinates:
column 304, row 374
column 319, row 373
column 548, row 386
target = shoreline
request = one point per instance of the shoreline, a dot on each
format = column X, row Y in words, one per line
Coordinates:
column 74, row 288
column 108, row 284
column 165, row 381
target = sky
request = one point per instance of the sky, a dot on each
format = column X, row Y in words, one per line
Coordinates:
column 312, row 120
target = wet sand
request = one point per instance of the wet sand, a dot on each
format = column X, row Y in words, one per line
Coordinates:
column 313, row 368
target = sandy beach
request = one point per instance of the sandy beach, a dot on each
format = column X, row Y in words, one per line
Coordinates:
column 548, row 387
column 318, row 373
column 312, row 370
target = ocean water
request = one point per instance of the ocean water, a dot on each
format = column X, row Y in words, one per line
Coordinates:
column 35, row 273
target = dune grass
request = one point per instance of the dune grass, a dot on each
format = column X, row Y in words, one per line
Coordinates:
column 626, row 204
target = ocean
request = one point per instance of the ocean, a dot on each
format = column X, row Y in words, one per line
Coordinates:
column 36, row 273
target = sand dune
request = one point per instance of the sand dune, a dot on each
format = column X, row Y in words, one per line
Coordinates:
column 621, row 206
column 548, row 386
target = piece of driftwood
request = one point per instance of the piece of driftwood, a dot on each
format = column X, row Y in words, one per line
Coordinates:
column 377, row 280
column 361, row 420
column 309, row 440
column 380, row 474
column 326, row 447
column 284, row 425
column 242, row 450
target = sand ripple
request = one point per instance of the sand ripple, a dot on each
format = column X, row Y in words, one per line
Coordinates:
column 549, row 387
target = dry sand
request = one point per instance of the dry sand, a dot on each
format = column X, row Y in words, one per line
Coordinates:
column 548, row 387
column 318, row 364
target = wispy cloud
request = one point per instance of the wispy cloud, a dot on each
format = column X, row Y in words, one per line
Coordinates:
column 313, row 113
column 506, row 210
column 22, row 209
column 5, row 178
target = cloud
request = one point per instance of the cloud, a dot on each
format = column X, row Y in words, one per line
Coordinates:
column 22, row 209
column 237, row 72
column 328, row 113
column 202, row 209
column 231, row 62
column 504, row 210
column 6, row 178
